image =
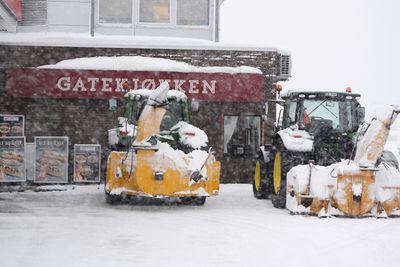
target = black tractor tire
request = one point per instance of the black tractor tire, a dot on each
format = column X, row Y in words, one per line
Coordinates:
column 260, row 185
column 279, row 197
column 192, row 201
column 112, row 199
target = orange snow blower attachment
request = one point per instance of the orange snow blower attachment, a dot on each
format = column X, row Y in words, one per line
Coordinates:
column 351, row 188
column 153, row 168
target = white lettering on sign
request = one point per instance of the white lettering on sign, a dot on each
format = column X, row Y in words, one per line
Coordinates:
column 64, row 83
column 93, row 82
column 193, row 87
column 120, row 84
column 106, row 84
column 178, row 85
column 149, row 84
column 208, row 86
column 79, row 86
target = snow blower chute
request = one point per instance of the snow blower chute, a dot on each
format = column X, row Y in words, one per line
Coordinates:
column 168, row 157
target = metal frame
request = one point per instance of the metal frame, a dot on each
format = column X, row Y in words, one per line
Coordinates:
column 23, row 120
column 67, row 163
column 99, row 155
column 24, row 165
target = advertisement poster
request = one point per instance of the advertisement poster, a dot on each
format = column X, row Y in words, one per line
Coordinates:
column 12, row 160
column 86, row 163
column 51, row 159
column 11, row 125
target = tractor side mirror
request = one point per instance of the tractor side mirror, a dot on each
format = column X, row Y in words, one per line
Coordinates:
column 279, row 122
column 265, row 115
column 194, row 105
column 360, row 115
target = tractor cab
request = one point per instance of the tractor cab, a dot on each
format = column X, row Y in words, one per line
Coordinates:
column 316, row 112
column 177, row 110
column 330, row 119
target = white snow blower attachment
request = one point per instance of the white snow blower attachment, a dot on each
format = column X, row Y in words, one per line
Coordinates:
column 360, row 187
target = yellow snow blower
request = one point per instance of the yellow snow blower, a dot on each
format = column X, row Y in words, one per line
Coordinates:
column 168, row 157
column 322, row 163
column 359, row 187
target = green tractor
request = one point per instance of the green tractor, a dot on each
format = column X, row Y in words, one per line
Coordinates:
column 318, row 127
column 121, row 138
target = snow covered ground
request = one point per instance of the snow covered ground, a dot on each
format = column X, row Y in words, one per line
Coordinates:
column 77, row 228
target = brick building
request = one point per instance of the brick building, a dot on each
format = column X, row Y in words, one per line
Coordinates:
column 86, row 120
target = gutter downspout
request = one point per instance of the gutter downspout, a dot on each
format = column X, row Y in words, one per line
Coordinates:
column 217, row 10
column 92, row 9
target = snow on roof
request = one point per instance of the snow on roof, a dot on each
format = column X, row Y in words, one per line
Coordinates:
column 147, row 92
column 66, row 39
column 138, row 63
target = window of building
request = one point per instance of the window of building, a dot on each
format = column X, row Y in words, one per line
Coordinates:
column 194, row 12
column 242, row 135
column 116, row 11
column 154, row 11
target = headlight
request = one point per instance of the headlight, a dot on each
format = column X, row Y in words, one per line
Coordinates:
column 158, row 175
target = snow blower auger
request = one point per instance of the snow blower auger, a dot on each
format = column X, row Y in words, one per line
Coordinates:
column 360, row 187
column 168, row 158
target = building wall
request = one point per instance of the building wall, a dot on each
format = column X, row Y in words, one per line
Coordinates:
column 87, row 121
column 70, row 15
column 75, row 16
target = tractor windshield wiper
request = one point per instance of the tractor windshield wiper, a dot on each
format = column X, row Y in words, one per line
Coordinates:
column 330, row 112
column 308, row 115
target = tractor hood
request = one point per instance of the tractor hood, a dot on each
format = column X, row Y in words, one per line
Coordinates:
column 296, row 140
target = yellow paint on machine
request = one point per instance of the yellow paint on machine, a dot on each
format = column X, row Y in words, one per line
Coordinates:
column 142, row 181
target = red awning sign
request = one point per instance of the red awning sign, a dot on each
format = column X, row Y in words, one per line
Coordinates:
column 100, row 84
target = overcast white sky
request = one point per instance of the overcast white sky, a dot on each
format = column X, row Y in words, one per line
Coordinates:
column 334, row 44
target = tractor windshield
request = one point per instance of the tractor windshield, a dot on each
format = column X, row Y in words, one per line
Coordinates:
column 173, row 115
column 335, row 114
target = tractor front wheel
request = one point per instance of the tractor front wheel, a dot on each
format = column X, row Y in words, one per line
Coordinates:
column 279, row 181
column 259, row 183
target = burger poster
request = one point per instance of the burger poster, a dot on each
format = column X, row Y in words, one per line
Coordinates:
column 51, row 159
column 12, row 160
column 86, row 163
column 11, row 125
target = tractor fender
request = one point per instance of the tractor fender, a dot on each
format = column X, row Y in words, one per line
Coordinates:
column 296, row 140
column 265, row 152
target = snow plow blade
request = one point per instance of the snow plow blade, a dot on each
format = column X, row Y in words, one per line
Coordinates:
column 144, row 180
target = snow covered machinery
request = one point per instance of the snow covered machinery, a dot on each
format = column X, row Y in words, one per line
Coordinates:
column 168, row 158
column 304, row 169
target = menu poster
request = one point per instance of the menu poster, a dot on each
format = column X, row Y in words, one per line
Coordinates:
column 51, row 159
column 12, row 160
column 11, row 125
column 87, row 163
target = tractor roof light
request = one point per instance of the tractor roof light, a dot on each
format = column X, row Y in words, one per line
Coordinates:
column 348, row 90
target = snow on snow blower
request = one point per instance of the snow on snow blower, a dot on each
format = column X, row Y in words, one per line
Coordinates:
column 168, row 157
column 359, row 187
column 304, row 169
